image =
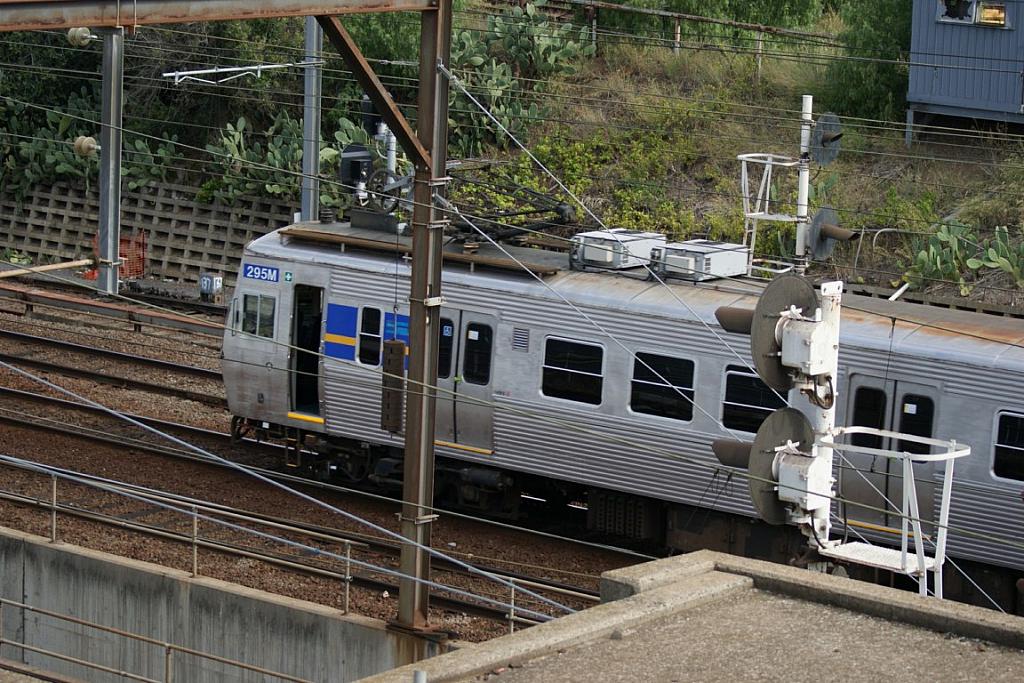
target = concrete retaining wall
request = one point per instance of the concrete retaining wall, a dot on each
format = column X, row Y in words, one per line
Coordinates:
column 281, row 634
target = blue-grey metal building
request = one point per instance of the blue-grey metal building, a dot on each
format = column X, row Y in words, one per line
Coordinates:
column 967, row 59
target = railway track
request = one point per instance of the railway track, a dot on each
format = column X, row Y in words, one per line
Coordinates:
column 31, row 343
column 32, row 297
column 130, row 518
column 337, row 543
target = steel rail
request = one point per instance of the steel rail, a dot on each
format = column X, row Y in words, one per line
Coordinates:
column 325, row 533
column 34, row 296
column 233, row 549
column 115, row 380
column 204, row 307
column 205, row 373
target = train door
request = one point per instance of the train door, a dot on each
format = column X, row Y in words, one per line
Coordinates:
column 900, row 406
column 304, row 358
column 446, row 373
column 465, row 375
column 253, row 360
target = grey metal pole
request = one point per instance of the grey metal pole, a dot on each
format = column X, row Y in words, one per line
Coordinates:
column 311, row 101
column 109, row 237
column 424, row 312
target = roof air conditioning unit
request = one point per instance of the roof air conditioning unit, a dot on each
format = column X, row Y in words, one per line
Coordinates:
column 614, row 249
column 700, row 260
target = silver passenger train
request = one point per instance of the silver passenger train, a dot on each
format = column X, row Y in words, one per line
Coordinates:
column 534, row 399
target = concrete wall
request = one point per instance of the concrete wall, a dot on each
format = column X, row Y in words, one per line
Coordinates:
column 281, row 634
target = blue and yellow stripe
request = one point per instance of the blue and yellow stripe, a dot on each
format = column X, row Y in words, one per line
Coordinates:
column 340, row 331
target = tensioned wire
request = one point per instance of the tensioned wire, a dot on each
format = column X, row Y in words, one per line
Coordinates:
column 748, row 139
column 642, row 447
column 268, row 167
column 660, row 41
column 283, row 487
column 526, row 94
column 896, row 125
column 693, row 402
column 336, row 488
column 256, row 164
column 647, row 266
column 895, row 274
column 304, row 547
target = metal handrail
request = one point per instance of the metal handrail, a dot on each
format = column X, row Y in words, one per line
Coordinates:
column 949, row 452
column 192, row 537
column 168, row 647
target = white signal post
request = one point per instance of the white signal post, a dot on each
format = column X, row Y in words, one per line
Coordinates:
column 809, row 342
column 804, row 180
column 810, row 346
column 791, row 456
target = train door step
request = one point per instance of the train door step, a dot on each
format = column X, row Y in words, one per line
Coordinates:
column 877, row 556
column 293, row 447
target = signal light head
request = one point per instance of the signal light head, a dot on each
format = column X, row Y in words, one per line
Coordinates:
column 732, row 453
column 737, row 320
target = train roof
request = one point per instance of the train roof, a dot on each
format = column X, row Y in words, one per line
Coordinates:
column 929, row 331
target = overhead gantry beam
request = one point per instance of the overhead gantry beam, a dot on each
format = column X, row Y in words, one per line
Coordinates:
column 24, row 15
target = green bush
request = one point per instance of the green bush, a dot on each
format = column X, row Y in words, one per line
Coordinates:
column 945, row 256
column 1000, row 255
column 504, row 67
column 271, row 164
column 871, row 79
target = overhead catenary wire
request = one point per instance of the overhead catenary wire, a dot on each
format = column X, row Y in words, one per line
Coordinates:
column 741, row 359
column 276, row 484
column 718, row 113
column 306, row 548
column 299, row 50
column 390, row 499
column 260, row 165
column 646, row 447
column 895, row 274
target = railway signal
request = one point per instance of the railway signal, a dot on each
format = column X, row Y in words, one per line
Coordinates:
column 824, row 232
column 815, row 238
column 794, row 343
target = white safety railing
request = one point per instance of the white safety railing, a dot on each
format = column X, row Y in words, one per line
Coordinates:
column 917, row 563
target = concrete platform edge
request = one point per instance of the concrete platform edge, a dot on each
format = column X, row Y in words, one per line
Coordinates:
column 594, row 623
column 944, row 616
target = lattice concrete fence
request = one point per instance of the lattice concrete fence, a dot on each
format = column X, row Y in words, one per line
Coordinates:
column 185, row 237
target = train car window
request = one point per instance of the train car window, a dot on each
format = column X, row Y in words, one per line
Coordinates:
column 662, row 386
column 476, row 354
column 1009, row 450
column 445, row 345
column 258, row 315
column 869, row 405
column 748, row 400
column 916, row 416
column 370, row 337
column 572, row 370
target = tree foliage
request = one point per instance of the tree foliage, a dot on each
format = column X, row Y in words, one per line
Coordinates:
column 872, row 79
column 784, row 13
